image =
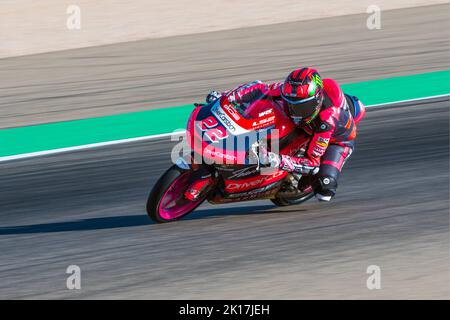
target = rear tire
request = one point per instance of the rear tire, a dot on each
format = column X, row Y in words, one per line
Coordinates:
column 159, row 191
column 282, row 202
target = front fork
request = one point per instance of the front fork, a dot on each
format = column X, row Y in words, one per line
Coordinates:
column 201, row 181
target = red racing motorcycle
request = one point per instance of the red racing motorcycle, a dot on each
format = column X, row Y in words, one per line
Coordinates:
column 222, row 142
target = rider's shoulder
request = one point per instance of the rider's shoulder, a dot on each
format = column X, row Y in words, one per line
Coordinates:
column 333, row 93
column 331, row 87
column 326, row 114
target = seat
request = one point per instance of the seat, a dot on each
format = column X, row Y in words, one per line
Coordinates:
column 355, row 106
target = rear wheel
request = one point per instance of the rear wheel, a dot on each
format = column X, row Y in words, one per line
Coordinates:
column 282, row 202
column 166, row 201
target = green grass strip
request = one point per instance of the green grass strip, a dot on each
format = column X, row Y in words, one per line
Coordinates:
column 58, row 135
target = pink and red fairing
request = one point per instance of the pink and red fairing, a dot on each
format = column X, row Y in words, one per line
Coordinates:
column 261, row 114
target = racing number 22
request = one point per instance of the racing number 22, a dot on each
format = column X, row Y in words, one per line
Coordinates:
column 213, row 132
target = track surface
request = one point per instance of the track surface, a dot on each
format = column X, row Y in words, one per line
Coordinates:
column 87, row 208
column 147, row 74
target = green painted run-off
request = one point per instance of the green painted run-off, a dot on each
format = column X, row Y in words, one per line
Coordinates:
column 51, row 136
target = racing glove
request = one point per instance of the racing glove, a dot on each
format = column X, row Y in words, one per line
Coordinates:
column 299, row 165
column 295, row 165
column 290, row 164
column 213, row 96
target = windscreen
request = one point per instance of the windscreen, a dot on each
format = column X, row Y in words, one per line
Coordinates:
column 256, row 107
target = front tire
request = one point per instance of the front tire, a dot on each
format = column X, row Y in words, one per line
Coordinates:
column 166, row 201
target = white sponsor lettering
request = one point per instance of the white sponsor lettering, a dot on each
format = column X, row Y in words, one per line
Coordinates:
column 254, row 183
column 265, row 113
column 219, row 154
column 225, row 120
column 263, row 121
column 233, row 112
column 229, row 123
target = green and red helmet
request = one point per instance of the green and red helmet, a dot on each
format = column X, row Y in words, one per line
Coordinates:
column 303, row 93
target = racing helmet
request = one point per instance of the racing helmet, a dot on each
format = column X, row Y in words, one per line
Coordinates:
column 303, row 93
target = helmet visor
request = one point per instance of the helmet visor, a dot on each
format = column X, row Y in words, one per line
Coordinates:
column 303, row 108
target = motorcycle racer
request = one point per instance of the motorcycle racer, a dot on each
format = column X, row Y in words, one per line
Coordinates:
column 321, row 109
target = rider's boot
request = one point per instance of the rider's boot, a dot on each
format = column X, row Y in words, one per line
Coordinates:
column 325, row 188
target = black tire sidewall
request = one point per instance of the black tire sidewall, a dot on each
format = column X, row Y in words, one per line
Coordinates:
column 159, row 189
column 281, row 202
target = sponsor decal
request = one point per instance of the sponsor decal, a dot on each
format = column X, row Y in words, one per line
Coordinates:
column 232, row 111
column 319, row 148
column 227, row 122
column 224, row 119
column 318, row 151
column 218, row 154
column 317, row 80
column 243, row 172
column 264, row 191
column 264, row 121
column 225, row 168
column 236, row 186
column 265, row 113
column 323, row 142
column 245, row 185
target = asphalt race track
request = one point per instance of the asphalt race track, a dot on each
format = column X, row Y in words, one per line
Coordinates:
column 86, row 208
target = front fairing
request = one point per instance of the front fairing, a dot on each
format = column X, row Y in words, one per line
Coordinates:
column 223, row 133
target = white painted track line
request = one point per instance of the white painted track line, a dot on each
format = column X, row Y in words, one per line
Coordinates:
column 156, row 136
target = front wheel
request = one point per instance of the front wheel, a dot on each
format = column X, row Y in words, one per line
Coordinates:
column 166, row 201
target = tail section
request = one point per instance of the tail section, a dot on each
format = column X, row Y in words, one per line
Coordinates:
column 357, row 108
